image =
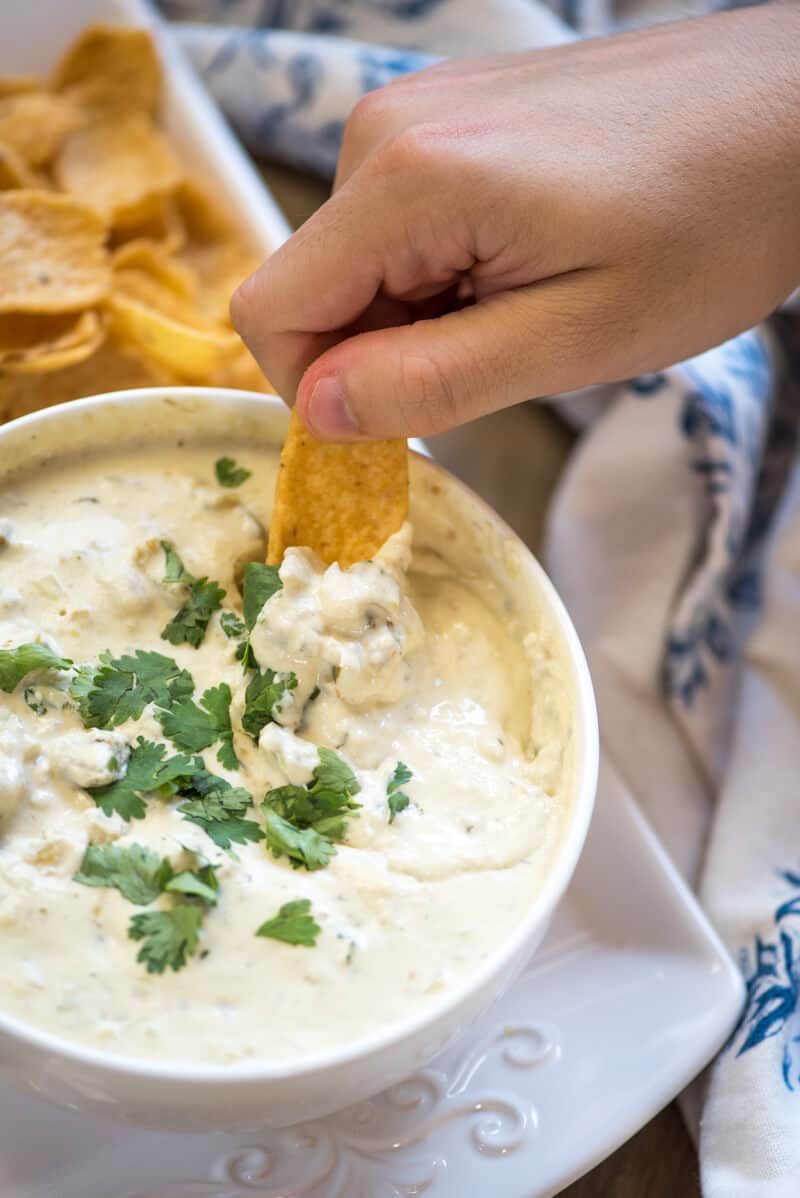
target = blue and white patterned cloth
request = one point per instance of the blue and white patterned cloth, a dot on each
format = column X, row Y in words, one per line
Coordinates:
column 674, row 537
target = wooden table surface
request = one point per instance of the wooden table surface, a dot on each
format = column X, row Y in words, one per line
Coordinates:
column 660, row 1161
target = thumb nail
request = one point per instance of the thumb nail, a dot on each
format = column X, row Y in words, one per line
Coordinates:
column 328, row 413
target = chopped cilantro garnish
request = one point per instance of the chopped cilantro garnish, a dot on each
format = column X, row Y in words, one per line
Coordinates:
column 119, row 688
column 327, row 801
column 197, row 883
column 218, row 809
column 229, row 474
column 205, row 597
column 306, row 847
column 147, row 773
column 333, row 778
column 260, row 584
column 232, row 626
column 137, row 873
column 169, row 937
column 31, row 697
column 245, row 654
column 194, row 728
column 294, row 924
column 264, row 691
column 174, row 569
column 397, row 799
column 17, row 663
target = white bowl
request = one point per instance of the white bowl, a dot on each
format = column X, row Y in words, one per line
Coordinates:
column 201, row 1096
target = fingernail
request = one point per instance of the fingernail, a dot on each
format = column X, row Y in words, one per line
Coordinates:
column 328, row 412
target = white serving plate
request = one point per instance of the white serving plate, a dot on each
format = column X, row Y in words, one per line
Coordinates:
column 628, row 998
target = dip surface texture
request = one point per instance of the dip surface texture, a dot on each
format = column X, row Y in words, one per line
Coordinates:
column 404, row 659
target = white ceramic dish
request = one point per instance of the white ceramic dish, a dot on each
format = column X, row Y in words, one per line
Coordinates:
column 621, row 1006
column 34, row 35
column 204, row 1097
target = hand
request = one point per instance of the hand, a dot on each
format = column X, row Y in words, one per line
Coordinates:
column 512, row 227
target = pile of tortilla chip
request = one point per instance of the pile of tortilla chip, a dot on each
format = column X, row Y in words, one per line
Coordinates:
column 115, row 267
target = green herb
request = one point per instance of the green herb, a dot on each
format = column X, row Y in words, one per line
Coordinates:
column 175, row 571
column 169, row 937
column 194, row 728
column 197, row 883
column 17, row 663
column 229, row 474
column 260, row 584
column 306, row 848
column 218, row 810
column 119, row 688
column 333, row 778
column 245, row 654
column 190, row 624
column 137, row 873
column 37, row 705
column 294, row 924
column 232, row 626
column 147, row 773
column 205, row 597
column 265, row 690
column 325, row 803
column 397, row 799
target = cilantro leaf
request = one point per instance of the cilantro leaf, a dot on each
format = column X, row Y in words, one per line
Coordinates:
column 218, row 810
column 401, row 775
column 137, row 873
column 325, row 803
column 205, row 597
column 292, row 803
column 294, row 924
column 229, row 831
column 175, row 571
column 189, row 625
column 229, row 474
column 232, row 626
column 32, row 697
column 245, row 654
column 260, row 584
column 264, row 691
column 197, row 883
column 333, row 777
column 306, row 847
column 17, row 663
column 397, row 799
column 147, row 773
column 169, row 937
column 192, row 728
column 119, row 688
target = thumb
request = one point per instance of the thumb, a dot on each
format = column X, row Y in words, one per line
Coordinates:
column 423, row 378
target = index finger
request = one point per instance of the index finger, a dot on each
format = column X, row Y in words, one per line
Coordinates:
column 292, row 308
column 390, row 231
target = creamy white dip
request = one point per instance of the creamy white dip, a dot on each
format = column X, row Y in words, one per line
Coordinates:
column 398, row 659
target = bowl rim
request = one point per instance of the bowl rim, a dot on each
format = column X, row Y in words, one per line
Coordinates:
column 543, row 903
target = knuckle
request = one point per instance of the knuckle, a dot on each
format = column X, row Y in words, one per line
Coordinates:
column 371, row 116
column 413, row 152
column 242, row 303
column 429, row 398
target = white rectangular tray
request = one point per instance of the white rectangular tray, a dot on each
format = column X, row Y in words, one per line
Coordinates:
column 33, row 34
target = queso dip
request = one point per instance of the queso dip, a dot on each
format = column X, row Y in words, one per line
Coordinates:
column 262, row 823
